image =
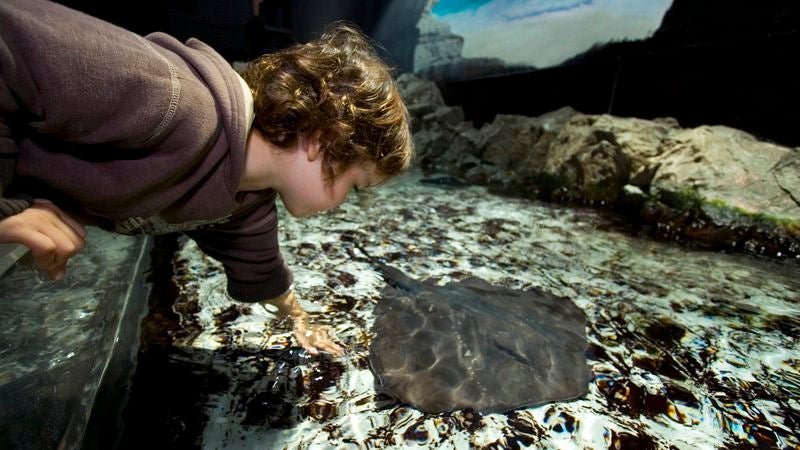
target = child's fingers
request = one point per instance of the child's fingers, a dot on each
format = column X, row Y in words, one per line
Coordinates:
column 76, row 227
column 57, row 258
column 323, row 342
column 332, row 348
column 50, row 238
column 44, row 252
column 51, row 253
column 306, row 344
column 52, row 241
column 66, row 243
column 316, row 339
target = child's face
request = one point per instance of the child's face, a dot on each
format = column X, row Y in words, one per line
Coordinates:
column 307, row 193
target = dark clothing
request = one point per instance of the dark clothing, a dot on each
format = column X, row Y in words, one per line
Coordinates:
column 135, row 134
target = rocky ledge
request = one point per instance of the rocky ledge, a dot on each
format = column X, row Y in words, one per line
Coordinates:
column 712, row 185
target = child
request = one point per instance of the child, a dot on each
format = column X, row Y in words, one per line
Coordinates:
column 136, row 134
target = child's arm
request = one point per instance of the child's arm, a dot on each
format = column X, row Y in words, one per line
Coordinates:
column 247, row 246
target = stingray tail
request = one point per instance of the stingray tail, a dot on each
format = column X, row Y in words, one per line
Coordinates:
column 397, row 279
column 392, row 276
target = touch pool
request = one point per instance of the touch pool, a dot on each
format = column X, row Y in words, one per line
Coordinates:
column 688, row 349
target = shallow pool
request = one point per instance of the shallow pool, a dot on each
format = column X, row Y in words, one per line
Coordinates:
column 689, row 349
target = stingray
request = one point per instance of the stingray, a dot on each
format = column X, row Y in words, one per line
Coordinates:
column 472, row 345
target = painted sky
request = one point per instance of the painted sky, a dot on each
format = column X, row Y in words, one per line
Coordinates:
column 544, row 33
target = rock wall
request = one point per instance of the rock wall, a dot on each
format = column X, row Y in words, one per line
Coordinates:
column 713, row 185
column 437, row 55
column 437, row 44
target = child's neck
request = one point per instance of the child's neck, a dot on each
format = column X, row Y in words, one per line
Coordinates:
column 260, row 163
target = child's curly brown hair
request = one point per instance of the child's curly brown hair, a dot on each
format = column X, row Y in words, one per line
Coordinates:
column 338, row 87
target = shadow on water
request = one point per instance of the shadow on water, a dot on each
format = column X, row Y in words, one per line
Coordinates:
column 170, row 387
column 174, row 384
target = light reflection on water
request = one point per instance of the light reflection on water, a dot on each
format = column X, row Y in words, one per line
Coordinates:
column 688, row 349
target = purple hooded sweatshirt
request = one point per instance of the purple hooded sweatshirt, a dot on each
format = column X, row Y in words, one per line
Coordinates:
column 134, row 134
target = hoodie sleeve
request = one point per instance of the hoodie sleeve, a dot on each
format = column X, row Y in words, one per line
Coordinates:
column 247, row 246
column 9, row 205
column 71, row 78
column 75, row 78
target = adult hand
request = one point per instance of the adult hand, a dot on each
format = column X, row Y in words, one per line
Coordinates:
column 313, row 338
column 52, row 236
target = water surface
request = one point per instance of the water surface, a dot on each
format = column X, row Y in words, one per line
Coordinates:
column 689, row 349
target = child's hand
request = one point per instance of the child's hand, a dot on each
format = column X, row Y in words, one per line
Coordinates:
column 52, row 236
column 313, row 338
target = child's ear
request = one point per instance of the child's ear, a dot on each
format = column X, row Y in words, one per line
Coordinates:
column 312, row 146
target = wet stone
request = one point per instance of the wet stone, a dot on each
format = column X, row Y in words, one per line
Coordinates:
column 664, row 331
column 417, row 433
column 347, row 279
